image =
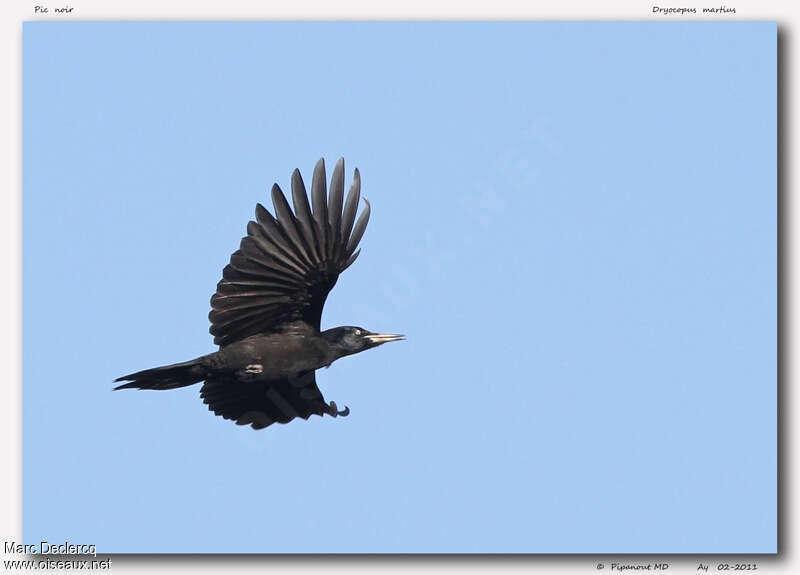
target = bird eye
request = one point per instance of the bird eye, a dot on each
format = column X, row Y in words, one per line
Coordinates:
column 357, row 332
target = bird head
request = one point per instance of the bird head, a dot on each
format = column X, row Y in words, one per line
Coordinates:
column 348, row 340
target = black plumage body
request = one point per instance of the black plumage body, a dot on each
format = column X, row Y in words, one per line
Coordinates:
column 267, row 310
column 298, row 349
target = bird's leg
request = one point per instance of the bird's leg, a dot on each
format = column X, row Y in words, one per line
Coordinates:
column 333, row 410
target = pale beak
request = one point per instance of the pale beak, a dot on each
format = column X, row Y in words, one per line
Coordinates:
column 378, row 338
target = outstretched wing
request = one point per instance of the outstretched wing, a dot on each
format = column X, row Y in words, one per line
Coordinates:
column 260, row 404
column 286, row 265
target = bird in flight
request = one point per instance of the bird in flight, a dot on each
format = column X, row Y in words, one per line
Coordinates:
column 265, row 315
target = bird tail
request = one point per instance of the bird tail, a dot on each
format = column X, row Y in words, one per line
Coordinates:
column 167, row 376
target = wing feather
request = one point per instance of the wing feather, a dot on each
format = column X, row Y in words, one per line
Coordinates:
column 350, row 260
column 235, row 279
column 260, row 404
column 254, row 247
column 243, row 263
column 303, row 212
column 358, row 230
column 287, row 263
column 351, row 206
column 335, row 204
column 287, row 238
column 256, row 259
column 319, row 203
column 286, row 220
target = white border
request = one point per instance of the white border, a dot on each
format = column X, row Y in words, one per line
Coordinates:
column 14, row 13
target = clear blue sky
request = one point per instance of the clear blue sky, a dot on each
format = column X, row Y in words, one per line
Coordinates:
column 574, row 224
